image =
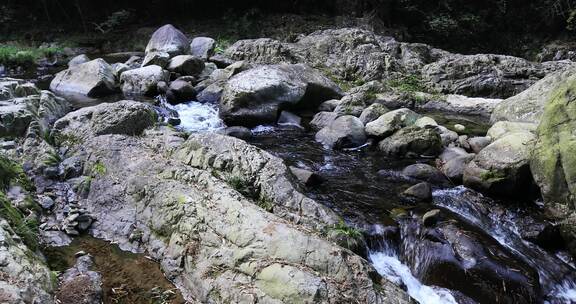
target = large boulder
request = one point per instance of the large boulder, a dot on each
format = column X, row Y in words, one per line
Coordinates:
column 529, row 105
column 186, row 65
column 412, row 142
column 92, row 79
column 143, row 81
column 461, row 104
column 202, row 47
column 390, row 122
column 553, row 161
column 373, row 112
column 344, row 132
column 502, row 168
column 189, row 206
column 502, row 128
column 122, row 117
column 168, row 39
column 322, row 119
column 453, row 161
column 484, row 75
column 257, row 95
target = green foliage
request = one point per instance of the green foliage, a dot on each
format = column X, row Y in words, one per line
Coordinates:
column 67, row 140
column 222, row 43
column 52, row 159
column 408, row 84
column 10, row 171
column 98, row 169
column 13, row 55
column 265, row 203
column 114, row 21
column 345, row 236
column 25, row 227
column 241, row 185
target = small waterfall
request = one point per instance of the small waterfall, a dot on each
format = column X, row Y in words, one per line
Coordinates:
column 557, row 277
column 198, row 117
column 384, row 258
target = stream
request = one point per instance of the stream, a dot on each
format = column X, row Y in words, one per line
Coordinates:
column 477, row 254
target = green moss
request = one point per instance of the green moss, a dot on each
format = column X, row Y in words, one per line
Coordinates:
column 492, row 175
column 345, row 236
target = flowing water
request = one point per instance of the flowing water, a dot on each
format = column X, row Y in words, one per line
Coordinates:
column 364, row 188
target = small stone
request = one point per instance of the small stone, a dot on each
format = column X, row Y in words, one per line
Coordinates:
column 430, row 218
column 459, row 128
column 46, row 202
column 289, row 119
column 174, row 121
column 80, row 253
column 7, row 145
column 238, row 132
column 306, row 177
column 420, row 192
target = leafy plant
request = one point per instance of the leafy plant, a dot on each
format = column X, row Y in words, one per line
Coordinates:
column 25, row 227
column 222, row 43
column 10, row 171
column 52, row 159
column 345, row 236
column 265, row 203
column 98, row 169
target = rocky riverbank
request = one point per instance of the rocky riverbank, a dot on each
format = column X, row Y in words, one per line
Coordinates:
column 230, row 218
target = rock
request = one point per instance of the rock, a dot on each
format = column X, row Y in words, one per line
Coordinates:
column 502, row 168
column 373, row 112
column 322, row 119
column 344, row 132
column 529, row 105
column 143, row 81
column 289, row 119
column 553, row 162
column 122, row 117
column 238, row 132
column 502, row 128
column 14, row 117
column 186, row 65
column 209, row 68
column 358, row 98
column 448, row 136
column 161, row 59
column 71, row 167
column 455, row 247
column 329, row 105
column 211, row 94
column 461, row 104
column 180, row 200
column 80, row 285
column 425, row 173
column 430, row 218
column 255, row 96
column 202, row 47
column 134, row 62
column 453, row 162
column 306, row 177
column 390, row 122
column 463, row 142
column 119, row 68
column 92, row 79
column 169, row 40
column 421, row 192
column 180, row 91
column 483, row 75
column 80, row 59
column 459, row 128
column 25, row 277
column 26, row 89
column 412, row 142
column 479, row 143
column 425, row 121
column 162, row 87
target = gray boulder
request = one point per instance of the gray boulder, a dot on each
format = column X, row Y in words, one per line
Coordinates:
column 390, row 122
column 169, row 40
column 453, row 161
column 180, row 91
column 256, row 96
column 306, row 177
column 421, row 192
column 358, row 98
column 502, row 128
column 373, row 112
column 412, row 142
column 160, row 59
column 344, row 132
column 143, row 81
column 92, row 79
column 329, row 105
column 122, row 117
column 461, row 104
column 528, row 106
column 425, row 172
column 78, row 60
column 484, row 75
column 502, row 168
column 322, row 119
column 478, row 143
column 186, row 65
column 202, row 47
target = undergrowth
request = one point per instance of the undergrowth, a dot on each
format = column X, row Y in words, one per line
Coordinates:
column 14, row 55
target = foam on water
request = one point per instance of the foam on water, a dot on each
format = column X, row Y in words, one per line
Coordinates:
column 198, row 117
column 386, row 262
